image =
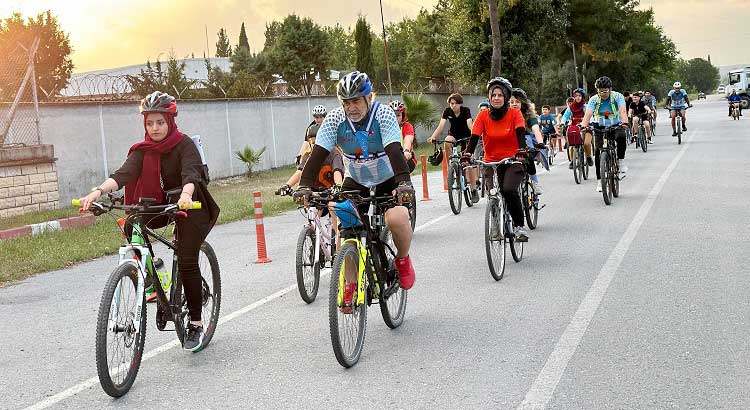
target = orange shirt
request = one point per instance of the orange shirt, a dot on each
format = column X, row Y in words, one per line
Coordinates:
column 499, row 136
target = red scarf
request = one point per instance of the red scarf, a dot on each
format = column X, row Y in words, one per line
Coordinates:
column 576, row 109
column 148, row 184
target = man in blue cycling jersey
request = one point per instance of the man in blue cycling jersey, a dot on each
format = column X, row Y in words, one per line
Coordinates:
column 677, row 101
column 370, row 137
column 650, row 101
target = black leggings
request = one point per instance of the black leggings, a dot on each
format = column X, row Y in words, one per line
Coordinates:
column 622, row 145
column 511, row 177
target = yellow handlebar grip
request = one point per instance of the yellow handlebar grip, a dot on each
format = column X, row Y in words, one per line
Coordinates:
column 196, row 205
column 76, row 203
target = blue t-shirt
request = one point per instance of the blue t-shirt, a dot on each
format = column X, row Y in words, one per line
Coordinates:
column 604, row 106
column 735, row 98
column 547, row 121
column 375, row 168
column 678, row 99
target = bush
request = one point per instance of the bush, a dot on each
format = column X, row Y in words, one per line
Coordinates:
column 250, row 157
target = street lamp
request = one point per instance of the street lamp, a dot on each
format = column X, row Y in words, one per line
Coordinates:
column 385, row 49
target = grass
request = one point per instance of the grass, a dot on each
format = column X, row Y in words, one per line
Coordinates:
column 20, row 258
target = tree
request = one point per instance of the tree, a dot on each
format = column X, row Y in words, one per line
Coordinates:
column 341, row 48
column 299, row 53
column 363, row 41
column 243, row 43
column 497, row 41
column 223, row 49
column 53, row 65
column 699, row 74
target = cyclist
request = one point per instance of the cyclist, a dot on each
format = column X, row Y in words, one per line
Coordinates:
column 164, row 160
column 484, row 105
column 460, row 129
column 370, row 138
column 319, row 113
column 677, row 100
column 650, row 100
column 520, row 101
column 607, row 108
column 407, row 133
column 573, row 116
column 549, row 125
column 503, row 130
column 638, row 111
column 734, row 99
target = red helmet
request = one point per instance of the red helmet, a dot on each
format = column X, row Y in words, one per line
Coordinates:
column 158, row 101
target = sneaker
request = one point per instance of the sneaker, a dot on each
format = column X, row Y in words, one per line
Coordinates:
column 520, row 233
column 538, row 188
column 565, row 146
column 590, row 161
column 650, row 141
column 406, row 274
column 194, row 338
column 684, row 128
column 349, row 291
column 474, row 196
column 674, row 133
column 571, row 166
column 599, row 186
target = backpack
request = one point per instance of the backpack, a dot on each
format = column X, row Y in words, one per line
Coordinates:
column 197, row 141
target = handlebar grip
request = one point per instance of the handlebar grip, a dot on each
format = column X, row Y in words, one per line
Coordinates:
column 76, row 203
column 196, row 205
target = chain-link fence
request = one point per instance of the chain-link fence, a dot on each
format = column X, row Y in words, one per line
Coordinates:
column 19, row 110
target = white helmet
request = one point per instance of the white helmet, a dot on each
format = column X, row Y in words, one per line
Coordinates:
column 677, row 85
column 319, row 110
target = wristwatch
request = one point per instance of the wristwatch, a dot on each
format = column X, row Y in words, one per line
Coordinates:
column 99, row 188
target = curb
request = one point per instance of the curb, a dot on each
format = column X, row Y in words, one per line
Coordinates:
column 58, row 225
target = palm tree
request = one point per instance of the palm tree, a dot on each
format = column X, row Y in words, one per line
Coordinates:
column 420, row 111
column 250, row 157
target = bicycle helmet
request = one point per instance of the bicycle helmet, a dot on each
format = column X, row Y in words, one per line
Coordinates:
column 519, row 93
column 158, row 101
column 484, row 103
column 437, row 157
column 499, row 81
column 677, row 84
column 580, row 91
column 354, row 85
column 603, row 82
column 398, row 106
column 319, row 110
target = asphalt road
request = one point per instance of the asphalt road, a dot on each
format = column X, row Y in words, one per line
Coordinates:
column 644, row 304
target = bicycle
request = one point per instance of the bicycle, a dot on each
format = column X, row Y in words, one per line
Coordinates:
column 735, row 111
column 457, row 181
column 608, row 164
column 641, row 137
column 652, row 121
column 498, row 224
column 529, row 197
column 580, row 165
column 122, row 310
column 551, row 146
column 368, row 246
column 316, row 245
column 678, row 121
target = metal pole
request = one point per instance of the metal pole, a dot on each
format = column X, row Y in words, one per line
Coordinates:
column 36, row 97
column 575, row 63
column 104, row 142
column 385, row 49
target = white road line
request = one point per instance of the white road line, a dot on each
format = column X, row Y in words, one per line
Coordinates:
column 545, row 384
column 88, row 383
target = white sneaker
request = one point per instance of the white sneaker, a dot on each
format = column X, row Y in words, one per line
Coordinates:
column 599, row 186
column 538, row 188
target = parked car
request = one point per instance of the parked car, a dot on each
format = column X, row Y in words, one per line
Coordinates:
column 721, row 90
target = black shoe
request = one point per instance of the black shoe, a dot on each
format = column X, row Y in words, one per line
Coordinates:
column 674, row 133
column 474, row 196
column 161, row 317
column 571, row 166
column 684, row 128
column 590, row 161
column 194, row 338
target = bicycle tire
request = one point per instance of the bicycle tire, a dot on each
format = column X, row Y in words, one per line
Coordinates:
column 577, row 168
column 493, row 214
column 551, row 154
column 393, row 304
column 467, row 193
column 308, row 280
column 530, row 210
column 454, row 188
column 209, row 294
column 351, row 356
column 642, row 138
column 516, row 247
column 112, row 387
column 615, row 179
column 679, row 129
column 605, row 171
column 585, row 167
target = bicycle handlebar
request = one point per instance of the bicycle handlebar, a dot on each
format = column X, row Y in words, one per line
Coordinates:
column 140, row 207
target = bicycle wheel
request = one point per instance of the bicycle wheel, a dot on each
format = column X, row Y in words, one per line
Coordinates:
column 530, row 205
column 577, row 166
column 679, row 130
column 642, row 138
column 454, row 187
column 119, row 340
column 605, row 180
column 413, row 213
column 551, row 153
column 308, row 272
column 347, row 329
column 494, row 240
column 584, row 164
column 210, row 296
column 393, row 307
column 615, row 179
column 467, row 193
column 516, row 247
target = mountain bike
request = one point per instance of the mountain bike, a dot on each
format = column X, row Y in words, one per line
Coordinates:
column 457, row 184
column 369, row 250
column 121, row 322
column 608, row 164
column 498, row 224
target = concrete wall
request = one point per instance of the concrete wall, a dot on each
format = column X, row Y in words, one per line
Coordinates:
column 91, row 140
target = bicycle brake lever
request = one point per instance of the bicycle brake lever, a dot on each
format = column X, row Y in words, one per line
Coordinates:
column 182, row 214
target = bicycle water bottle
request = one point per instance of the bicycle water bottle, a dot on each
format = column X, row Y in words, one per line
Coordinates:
column 165, row 277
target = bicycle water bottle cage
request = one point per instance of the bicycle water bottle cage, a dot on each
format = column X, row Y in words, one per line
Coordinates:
column 348, row 215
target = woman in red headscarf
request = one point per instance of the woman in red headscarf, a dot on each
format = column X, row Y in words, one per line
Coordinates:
column 167, row 159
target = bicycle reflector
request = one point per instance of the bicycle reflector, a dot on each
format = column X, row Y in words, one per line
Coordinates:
column 348, row 215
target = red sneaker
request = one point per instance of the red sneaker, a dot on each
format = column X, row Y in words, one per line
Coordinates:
column 406, row 273
column 349, row 290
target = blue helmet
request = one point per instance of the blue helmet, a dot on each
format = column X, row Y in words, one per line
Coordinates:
column 354, row 85
column 484, row 103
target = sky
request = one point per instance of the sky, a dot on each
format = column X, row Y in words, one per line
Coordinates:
column 108, row 34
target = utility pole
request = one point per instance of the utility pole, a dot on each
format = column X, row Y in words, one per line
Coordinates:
column 208, row 50
column 575, row 63
column 385, row 49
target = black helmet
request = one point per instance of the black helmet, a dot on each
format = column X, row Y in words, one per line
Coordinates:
column 519, row 93
column 580, row 91
column 437, row 157
column 603, row 82
column 500, row 81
